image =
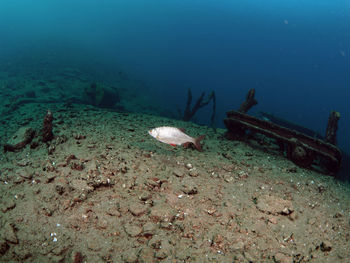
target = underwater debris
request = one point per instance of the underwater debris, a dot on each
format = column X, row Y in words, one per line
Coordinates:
column 47, row 134
column 293, row 126
column 302, row 149
column 101, row 96
column 332, row 127
column 20, row 139
column 201, row 102
column 249, row 102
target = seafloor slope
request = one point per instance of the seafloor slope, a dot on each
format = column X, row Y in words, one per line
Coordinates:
column 105, row 191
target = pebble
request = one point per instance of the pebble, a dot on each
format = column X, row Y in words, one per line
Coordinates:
column 238, row 246
column 10, row 204
column 130, row 256
column 9, row 233
column 146, row 255
column 193, row 173
column 24, row 173
column 132, row 230
column 178, row 173
column 274, row 205
column 3, row 247
column 149, row 228
column 137, row 209
column 162, row 212
column 282, row 258
column 326, row 246
column 188, row 166
column 189, row 187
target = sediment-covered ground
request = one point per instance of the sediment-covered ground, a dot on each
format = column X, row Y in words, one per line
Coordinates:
column 103, row 190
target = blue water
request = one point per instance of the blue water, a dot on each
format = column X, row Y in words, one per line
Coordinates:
column 296, row 54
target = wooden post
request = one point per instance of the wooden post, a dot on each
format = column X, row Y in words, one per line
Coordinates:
column 332, row 127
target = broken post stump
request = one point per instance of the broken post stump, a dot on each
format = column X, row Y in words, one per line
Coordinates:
column 332, row 127
column 47, row 134
column 249, row 102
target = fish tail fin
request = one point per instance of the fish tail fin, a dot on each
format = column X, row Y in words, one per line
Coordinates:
column 197, row 142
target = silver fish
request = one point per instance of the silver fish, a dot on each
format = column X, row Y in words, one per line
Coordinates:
column 175, row 136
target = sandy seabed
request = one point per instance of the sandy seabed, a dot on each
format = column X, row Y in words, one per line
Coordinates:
column 103, row 190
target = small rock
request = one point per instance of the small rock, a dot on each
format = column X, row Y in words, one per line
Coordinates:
column 162, row 253
column 193, row 173
column 132, row 230
column 81, row 185
column 137, row 209
column 312, row 221
column 282, row 258
column 146, row 255
column 274, row 205
column 338, row 215
column 24, row 173
column 51, row 149
column 3, row 247
column 77, row 166
column 130, row 256
column 77, row 257
column 145, row 196
column 189, row 187
column 238, row 246
column 149, row 229
column 59, row 188
column 8, row 205
column 9, row 233
column 113, row 211
column 178, row 173
column 188, row 166
column 292, row 170
column 326, row 246
column 162, row 212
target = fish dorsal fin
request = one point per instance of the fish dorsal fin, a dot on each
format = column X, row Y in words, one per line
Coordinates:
column 183, row 130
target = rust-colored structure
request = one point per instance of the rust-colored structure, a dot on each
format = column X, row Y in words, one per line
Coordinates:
column 302, row 149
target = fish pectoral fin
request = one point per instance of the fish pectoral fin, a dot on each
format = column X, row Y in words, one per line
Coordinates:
column 172, row 144
column 186, row 144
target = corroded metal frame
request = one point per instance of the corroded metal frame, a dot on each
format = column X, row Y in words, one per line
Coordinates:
column 302, row 149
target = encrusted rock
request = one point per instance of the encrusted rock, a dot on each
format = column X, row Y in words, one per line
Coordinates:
column 3, row 247
column 178, row 172
column 137, row 209
column 162, row 212
column 189, row 187
column 77, row 257
column 9, row 233
column 81, row 185
column 132, row 230
column 25, row 173
column 282, row 258
column 146, row 255
column 326, row 246
column 274, row 205
column 8, row 205
column 164, row 251
column 20, row 139
column 238, row 246
column 130, row 256
column 149, row 229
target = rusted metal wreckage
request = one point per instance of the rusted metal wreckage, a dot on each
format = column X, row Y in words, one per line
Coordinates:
column 302, row 149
